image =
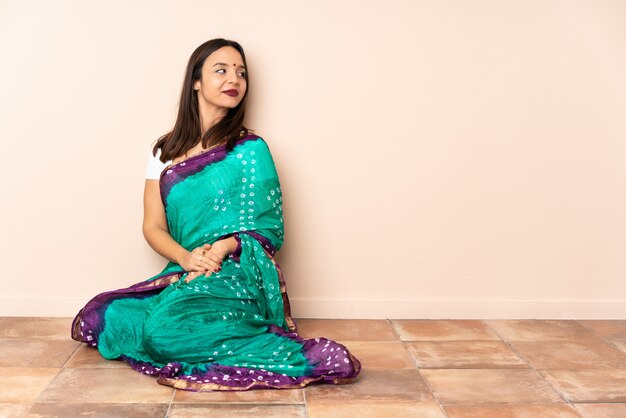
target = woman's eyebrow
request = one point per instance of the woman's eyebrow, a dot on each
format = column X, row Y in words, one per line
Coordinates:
column 222, row 63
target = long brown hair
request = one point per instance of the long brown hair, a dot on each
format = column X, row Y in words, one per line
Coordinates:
column 187, row 129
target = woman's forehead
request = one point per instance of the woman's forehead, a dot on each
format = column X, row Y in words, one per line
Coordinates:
column 225, row 56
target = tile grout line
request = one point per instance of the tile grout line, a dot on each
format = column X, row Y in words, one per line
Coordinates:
column 169, row 406
column 593, row 332
column 543, row 376
column 417, row 368
column 609, row 342
column 78, row 347
column 46, row 388
column 34, row 401
column 306, row 405
column 61, row 369
column 508, row 343
column 521, row 357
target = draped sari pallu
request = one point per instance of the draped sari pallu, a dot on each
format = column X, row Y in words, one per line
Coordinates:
column 232, row 330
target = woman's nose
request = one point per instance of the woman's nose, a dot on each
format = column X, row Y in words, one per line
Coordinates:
column 233, row 78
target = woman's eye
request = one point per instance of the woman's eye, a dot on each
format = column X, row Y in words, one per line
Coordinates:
column 242, row 73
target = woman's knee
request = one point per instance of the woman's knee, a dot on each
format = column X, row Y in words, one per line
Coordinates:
column 154, row 339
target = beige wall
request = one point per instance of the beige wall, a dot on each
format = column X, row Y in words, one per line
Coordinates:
column 449, row 159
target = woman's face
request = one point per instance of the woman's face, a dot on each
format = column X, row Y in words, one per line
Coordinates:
column 222, row 71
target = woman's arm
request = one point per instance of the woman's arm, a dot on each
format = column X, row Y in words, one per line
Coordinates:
column 155, row 229
column 157, row 234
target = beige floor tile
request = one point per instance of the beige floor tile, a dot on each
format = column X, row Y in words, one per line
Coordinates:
column 35, row 353
column 36, row 327
column 592, row 354
column 467, row 365
column 97, row 410
column 24, row 384
column 374, row 409
column 381, row 354
column 607, row 328
column 13, row 410
column 511, row 411
column 620, row 344
column 613, row 331
column 602, row 410
column 478, row 386
column 286, row 396
column 180, row 410
column 583, row 386
column 443, row 330
column 89, row 357
column 105, row 386
column 346, row 329
column 384, row 385
column 464, row 354
column 539, row 330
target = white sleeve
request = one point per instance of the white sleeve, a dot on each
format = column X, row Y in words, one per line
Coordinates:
column 155, row 166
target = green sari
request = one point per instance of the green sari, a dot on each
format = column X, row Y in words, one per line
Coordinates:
column 232, row 330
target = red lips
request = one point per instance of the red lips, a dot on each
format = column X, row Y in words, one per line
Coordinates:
column 232, row 92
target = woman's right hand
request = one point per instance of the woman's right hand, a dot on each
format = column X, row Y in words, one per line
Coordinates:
column 200, row 259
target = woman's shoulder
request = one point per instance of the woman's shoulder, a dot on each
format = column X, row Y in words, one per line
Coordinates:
column 253, row 135
column 155, row 166
column 255, row 142
column 256, row 138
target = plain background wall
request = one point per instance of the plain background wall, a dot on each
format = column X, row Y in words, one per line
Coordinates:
column 448, row 159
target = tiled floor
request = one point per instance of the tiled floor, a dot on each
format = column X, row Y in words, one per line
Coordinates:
column 411, row 368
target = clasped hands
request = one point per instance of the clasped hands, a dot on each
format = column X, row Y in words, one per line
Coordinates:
column 205, row 259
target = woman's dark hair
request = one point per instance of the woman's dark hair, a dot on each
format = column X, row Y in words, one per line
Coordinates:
column 187, row 129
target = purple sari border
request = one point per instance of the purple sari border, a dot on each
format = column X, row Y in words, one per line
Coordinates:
column 321, row 368
column 179, row 171
column 93, row 318
column 266, row 243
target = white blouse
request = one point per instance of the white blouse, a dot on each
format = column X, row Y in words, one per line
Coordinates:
column 155, row 166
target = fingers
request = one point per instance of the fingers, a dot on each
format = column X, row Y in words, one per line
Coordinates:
column 215, row 267
column 203, row 264
column 192, row 275
column 205, row 252
column 195, row 274
column 202, row 259
column 208, row 261
column 213, row 270
column 210, row 257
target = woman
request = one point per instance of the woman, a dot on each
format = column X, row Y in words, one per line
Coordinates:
column 217, row 317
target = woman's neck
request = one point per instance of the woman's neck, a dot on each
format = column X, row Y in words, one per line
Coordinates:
column 209, row 116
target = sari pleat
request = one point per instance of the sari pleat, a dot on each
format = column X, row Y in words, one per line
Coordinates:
column 232, row 330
